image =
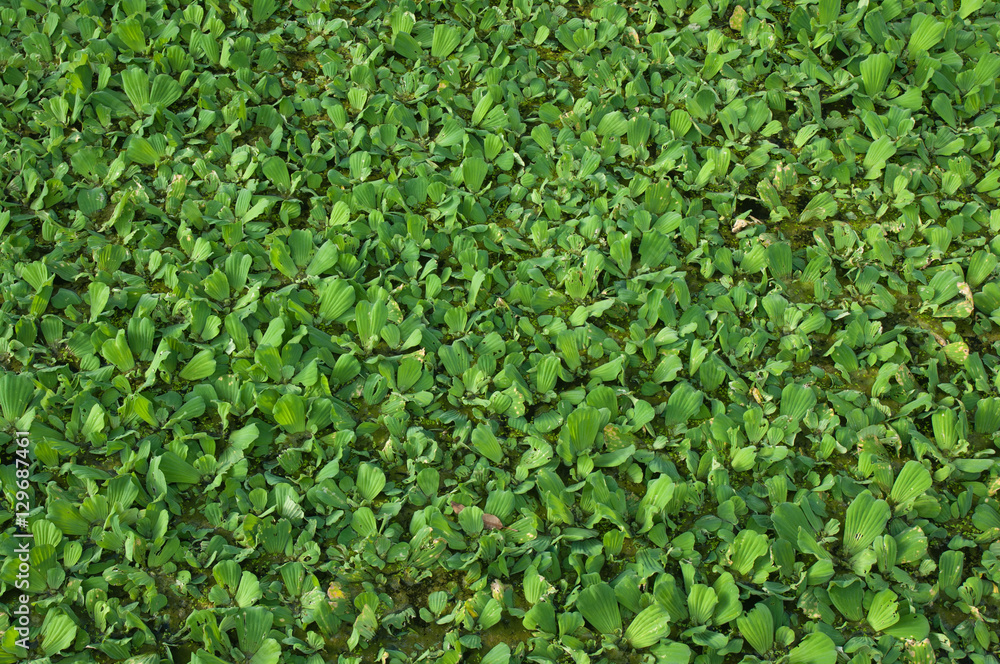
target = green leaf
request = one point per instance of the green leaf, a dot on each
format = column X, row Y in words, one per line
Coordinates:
column 499, row 654
column 535, row 586
column 797, row 400
column 757, row 627
column 847, row 597
column 59, row 632
column 754, row 260
column 371, row 481
column 407, row 46
column 987, row 69
column 884, row 610
column 683, row 404
column 829, row 10
column 165, row 91
column 969, row 7
column 945, row 427
column 370, row 317
column 483, row 107
column 130, row 32
column 290, row 413
column 866, row 517
column 925, row 33
column 878, row 154
column 118, row 353
column 452, row 133
column 15, row 395
column 542, row 617
column 336, row 297
column 612, row 124
column 981, row 267
column 486, row 443
column 142, row 151
column 363, row 522
column 474, row 170
column 599, row 606
column 988, row 415
column 66, row 517
column 701, row 603
column 913, row 480
column 816, row 648
column 276, row 170
column 202, row 365
column 821, row 206
column 582, row 427
column 911, row 627
column 746, row 548
column 135, row 81
column 648, row 627
column 252, row 628
column 446, row 39
column 779, row 254
column 263, row 10
column 178, row 471
column 91, row 201
column 875, row 70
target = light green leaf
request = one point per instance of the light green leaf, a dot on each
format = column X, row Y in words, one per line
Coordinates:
column 865, row 519
column 59, row 632
column 371, row 481
column 875, row 70
column 599, row 606
column 884, row 610
column 446, row 39
column 200, row 366
column 290, row 412
column 913, row 480
column 648, row 627
column 816, row 648
column 757, row 627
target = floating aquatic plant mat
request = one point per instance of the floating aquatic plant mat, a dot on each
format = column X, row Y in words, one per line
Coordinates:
column 508, row 331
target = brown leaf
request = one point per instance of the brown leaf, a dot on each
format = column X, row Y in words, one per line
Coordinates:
column 458, row 507
column 492, row 523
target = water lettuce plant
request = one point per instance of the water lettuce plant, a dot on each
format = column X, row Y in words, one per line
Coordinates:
column 500, row 332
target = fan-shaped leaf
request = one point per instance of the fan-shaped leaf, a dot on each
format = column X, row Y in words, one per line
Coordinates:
column 865, row 520
column 884, row 610
column 202, row 365
column 371, row 481
column 59, row 631
column 875, row 70
column 847, row 597
column 118, row 352
column 599, row 606
column 263, row 9
column 746, row 549
column 486, row 443
column 797, row 401
column 582, row 426
column 757, row 627
column 276, row 171
column 135, row 81
column 913, row 480
column 648, row 627
column 474, row 170
column 701, row 603
column 816, row 648
column 446, row 39
column 683, row 404
column 165, row 91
